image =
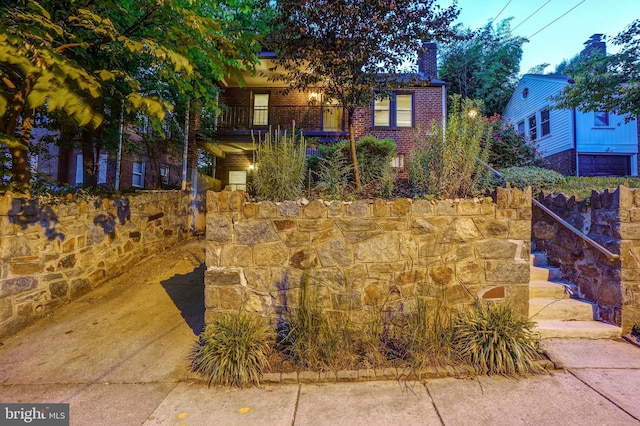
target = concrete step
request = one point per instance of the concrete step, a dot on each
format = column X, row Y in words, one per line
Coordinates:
column 538, row 273
column 550, row 329
column 562, row 309
column 538, row 259
column 547, row 290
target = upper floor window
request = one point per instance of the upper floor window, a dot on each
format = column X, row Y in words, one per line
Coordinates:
column 601, row 119
column 545, row 122
column 404, row 110
column 381, row 112
column 393, row 111
column 260, row 109
column 533, row 131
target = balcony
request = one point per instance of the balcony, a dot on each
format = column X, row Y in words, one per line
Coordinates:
column 313, row 120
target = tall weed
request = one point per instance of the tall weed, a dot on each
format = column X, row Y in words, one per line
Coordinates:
column 444, row 162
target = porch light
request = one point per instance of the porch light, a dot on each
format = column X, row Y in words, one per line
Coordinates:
column 252, row 166
column 313, row 97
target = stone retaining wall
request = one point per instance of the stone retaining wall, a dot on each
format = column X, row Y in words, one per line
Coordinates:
column 611, row 218
column 50, row 254
column 366, row 254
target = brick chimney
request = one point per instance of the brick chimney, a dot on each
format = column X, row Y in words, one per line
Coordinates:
column 427, row 61
column 595, row 43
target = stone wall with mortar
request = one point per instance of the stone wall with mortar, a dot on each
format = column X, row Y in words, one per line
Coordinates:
column 366, row 254
column 611, row 218
column 50, row 254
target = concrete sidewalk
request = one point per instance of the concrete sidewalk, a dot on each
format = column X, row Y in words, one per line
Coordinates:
column 118, row 357
column 600, row 386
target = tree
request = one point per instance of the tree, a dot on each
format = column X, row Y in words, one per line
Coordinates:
column 353, row 50
column 484, row 65
column 604, row 82
column 88, row 59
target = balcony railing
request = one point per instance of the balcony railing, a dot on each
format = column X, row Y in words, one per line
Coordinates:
column 309, row 118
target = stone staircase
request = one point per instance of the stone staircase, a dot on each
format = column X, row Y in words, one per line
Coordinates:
column 556, row 313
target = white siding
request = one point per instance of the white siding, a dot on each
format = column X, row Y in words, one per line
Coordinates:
column 619, row 137
column 540, row 89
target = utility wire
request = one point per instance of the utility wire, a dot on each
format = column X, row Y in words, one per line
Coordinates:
column 559, row 17
column 527, row 18
column 500, row 13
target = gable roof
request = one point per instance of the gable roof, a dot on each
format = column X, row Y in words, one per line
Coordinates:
column 263, row 74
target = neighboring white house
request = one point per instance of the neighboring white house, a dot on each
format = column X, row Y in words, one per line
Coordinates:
column 573, row 142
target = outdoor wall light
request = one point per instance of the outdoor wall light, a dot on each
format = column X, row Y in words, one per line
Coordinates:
column 313, row 97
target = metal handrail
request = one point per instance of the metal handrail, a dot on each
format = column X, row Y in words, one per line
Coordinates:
column 585, row 238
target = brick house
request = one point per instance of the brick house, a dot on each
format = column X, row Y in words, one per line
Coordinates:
column 259, row 104
column 136, row 170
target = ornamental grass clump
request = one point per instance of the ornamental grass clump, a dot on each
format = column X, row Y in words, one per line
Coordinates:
column 313, row 338
column 233, row 350
column 281, row 164
column 494, row 340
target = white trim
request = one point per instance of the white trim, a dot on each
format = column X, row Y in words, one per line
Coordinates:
column 79, row 170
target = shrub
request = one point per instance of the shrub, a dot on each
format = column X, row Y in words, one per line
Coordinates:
column 496, row 341
column 233, row 350
column 445, row 161
column 374, row 163
column 510, row 148
column 281, row 160
column 536, row 177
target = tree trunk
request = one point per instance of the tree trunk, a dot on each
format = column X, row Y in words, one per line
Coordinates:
column 20, row 166
column 89, row 175
column 352, row 145
column 192, row 149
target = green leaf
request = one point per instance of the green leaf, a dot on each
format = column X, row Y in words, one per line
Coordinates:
column 11, row 141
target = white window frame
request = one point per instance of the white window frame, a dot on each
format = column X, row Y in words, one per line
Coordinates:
column 544, row 122
column 103, row 162
column 398, row 162
column 139, row 182
column 533, row 130
column 238, row 180
column 79, row 170
column 164, row 174
column 603, row 121
column 260, row 109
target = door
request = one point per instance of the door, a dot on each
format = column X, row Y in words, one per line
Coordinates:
column 331, row 116
column 604, row 165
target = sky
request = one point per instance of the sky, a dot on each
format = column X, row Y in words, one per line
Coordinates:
column 562, row 39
